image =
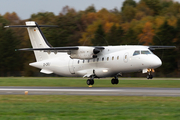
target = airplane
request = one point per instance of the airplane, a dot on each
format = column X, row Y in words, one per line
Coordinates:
column 90, row 61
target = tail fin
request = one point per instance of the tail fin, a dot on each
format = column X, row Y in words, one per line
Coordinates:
column 38, row 40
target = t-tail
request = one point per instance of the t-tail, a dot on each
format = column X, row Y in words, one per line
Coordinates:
column 37, row 39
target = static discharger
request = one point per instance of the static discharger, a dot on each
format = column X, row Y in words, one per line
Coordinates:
column 26, row 92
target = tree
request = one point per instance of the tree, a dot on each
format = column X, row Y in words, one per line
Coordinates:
column 130, row 37
column 146, row 37
column 128, row 13
column 155, row 5
column 43, row 18
column 12, row 17
column 115, row 35
column 142, row 11
column 177, row 42
column 99, row 37
column 172, row 9
column 165, row 36
column 10, row 61
column 128, row 3
column 69, row 30
column 90, row 9
column 91, row 21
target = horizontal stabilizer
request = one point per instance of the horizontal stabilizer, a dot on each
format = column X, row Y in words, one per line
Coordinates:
column 25, row 26
column 161, row 47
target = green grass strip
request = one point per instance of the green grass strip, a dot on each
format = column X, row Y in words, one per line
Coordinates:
column 64, row 107
column 81, row 82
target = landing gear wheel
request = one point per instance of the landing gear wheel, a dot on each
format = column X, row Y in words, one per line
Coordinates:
column 150, row 77
column 114, row 81
column 90, row 82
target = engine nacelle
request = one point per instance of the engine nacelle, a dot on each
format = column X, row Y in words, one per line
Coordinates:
column 84, row 53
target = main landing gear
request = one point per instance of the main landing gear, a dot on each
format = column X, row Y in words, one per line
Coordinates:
column 115, row 80
column 90, row 81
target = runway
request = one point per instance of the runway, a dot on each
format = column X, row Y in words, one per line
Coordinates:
column 11, row 90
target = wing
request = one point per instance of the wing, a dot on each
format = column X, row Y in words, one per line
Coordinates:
column 58, row 49
column 75, row 52
column 161, row 47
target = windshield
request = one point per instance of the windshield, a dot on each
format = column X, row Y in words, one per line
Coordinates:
column 145, row 52
column 138, row 52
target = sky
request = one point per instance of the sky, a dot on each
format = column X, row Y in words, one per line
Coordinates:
column 25, row 8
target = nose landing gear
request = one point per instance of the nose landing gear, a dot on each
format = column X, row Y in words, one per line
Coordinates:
column 150, row 76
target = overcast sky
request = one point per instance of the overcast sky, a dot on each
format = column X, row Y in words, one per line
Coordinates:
column 24, row 8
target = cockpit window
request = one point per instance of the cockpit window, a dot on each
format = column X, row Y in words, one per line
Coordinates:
column 136, row 53
column 145, row 52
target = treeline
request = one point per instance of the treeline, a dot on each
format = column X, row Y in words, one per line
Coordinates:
column 148, row 22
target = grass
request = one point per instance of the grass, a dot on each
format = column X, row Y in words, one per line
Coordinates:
column 81, row 82
column 68, row 107
column 62, row 107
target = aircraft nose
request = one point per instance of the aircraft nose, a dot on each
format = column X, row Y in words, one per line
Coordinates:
column 156, row 62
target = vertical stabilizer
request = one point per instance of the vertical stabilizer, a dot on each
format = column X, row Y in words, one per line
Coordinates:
column 38, row 40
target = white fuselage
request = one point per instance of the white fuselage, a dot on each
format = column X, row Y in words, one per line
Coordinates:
column 109, row 62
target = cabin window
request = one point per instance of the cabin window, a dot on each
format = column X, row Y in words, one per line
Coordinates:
column 93, row 60
column 97, row 59
column 117, row 57
column 83, row 61
column 136, row 53
column 113, row 58
column 107, row 58
column 103, row 59
column 145, row 52
column 88, row 60
column 78, row 61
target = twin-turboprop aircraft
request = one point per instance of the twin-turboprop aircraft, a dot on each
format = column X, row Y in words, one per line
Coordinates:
column 90, row 61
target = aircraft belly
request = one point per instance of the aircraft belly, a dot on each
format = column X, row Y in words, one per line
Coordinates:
column 85, row 69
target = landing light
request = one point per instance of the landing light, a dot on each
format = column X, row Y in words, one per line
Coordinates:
column 105, row 70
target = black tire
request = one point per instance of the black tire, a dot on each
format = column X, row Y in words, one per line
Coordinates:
column 151, row 76
column 88, row 82
column 92, row 82
column 116, row 81
column 113, row 81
